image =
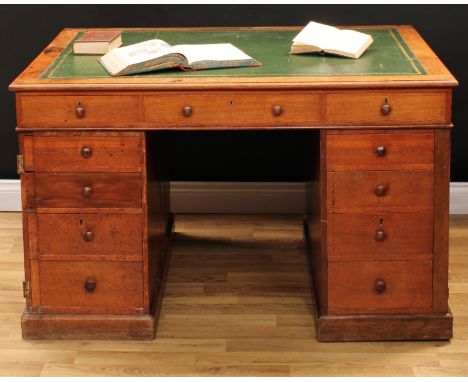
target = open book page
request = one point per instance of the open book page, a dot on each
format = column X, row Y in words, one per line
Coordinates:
column 316, row 34
column 349, row 41
column 316, row 37
column 144, row 51
column 211, row 52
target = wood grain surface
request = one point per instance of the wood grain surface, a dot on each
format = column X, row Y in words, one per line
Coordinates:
column 233, row 109
column 60, row 110
column 407, row 236
column 64, row 153
column 405, row 191
column 112, row 235
column 441, row 220
column 237, row 303
column 119, row 286
column 60, row 190
column 351, row 287
column 356, row 150
column 362, row 108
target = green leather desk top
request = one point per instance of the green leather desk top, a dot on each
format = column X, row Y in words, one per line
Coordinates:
column 388, row 55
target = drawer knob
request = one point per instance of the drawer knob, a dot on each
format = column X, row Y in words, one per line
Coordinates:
column 87, row 191
column 277, row 110
column 380, row 286
column 380, row 190
column 380, row 151
column 90, row 285
column 86, row 152
column 187, row 111
column 80, row 111
column 386, row 108
column 88, row 236
column 380, row 235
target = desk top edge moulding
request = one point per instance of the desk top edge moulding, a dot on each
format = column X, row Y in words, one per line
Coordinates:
column 94, row 174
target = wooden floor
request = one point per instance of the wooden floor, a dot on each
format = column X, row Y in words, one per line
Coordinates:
column 237, row 303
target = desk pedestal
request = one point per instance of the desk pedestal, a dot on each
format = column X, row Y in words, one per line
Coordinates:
column 376, row 230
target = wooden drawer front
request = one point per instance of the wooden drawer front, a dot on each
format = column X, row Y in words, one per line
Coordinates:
column 89, row 234
column 61, row 110
column 401, row 236
column 233, row 110
column 107, row 190
column 87, row 154
column 373, row 286
column 404, row 191
column 380, row 151
column 117, row 285
column 364, row 108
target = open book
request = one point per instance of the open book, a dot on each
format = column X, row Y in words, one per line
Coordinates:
column 323, row 38
column 157, row 55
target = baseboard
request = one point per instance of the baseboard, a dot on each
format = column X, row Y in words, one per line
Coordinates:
column 10, row 195
column 459, row 198
column 234, row 197
column 238, row 197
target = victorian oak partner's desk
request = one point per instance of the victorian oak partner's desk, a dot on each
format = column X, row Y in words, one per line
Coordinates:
column 95, row 191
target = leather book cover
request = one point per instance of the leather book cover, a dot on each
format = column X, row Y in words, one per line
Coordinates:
column 99, row 36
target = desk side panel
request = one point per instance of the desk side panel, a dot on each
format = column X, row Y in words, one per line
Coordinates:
column 316, row 219
column 441, row 220
column 158, row 218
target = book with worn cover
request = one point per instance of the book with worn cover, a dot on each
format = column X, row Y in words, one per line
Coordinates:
column 97, row 42
column 321, row 38
column 156, row 54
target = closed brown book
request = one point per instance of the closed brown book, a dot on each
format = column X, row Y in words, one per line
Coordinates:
column 97, row 42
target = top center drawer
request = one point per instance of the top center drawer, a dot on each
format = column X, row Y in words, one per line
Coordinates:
column 232, row 109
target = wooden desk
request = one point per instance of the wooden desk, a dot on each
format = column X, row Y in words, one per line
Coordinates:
column 95, row 189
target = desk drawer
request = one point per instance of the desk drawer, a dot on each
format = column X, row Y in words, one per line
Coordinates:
column 370, row 150
column 61, row 110
column 87, row 153
column 86, row 286
column 380, row 191
column 367, row 108
column 217, row 110
column 88, row 190
column 380, row 286
column 385, row 236
column 89, row 234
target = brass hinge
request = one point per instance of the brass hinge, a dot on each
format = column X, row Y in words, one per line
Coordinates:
column 26, row 289
column 19, row 164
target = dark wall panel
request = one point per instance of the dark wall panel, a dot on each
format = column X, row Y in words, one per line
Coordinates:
column 268, row 156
